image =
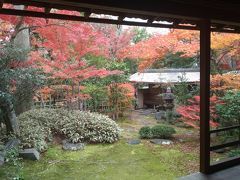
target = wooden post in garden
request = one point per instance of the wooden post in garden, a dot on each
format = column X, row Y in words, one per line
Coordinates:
column 205, row 49
column 79, row 102
column 50, row 101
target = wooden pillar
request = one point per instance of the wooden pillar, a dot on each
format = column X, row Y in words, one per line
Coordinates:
column 205, row 49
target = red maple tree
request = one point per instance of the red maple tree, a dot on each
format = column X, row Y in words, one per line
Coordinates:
column 191, row 113
column 117, row 38
column 62, row 45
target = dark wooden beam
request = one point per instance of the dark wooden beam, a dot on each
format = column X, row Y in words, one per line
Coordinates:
column 205, row 44
column 225, row 129
column 149, row 21
column 47, row 10
column 176, row 22
column 98, row 8
column 121, row 18
column 168, row 8
column 80, row 18
column 220, row 146
column 106, row 21
column 87, row 14
column 224, row 164
column 1, row 3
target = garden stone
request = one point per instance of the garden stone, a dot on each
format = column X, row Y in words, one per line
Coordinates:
column 159, row 115
column 31, row 154
column 161, row 141
column 72, row 147
column 134, row 141
column 189, row 134
column 182, row 140
column 13, row 143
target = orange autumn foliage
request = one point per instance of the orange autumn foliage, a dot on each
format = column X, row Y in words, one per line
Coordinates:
column 228, row 81
column 156, row 47
column 121, row 96
column 226, row 51
column 225, row 46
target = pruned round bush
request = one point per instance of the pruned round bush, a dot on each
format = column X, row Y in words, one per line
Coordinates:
column 38, row 126
column 158, row 131
column 161, row 131
column 145, row 132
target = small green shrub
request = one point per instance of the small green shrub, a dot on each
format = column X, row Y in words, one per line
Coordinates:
column 228, row 113
column 14, row 163
column 160, row 131
column 38, row 126
column 170, row 116
column 145, row 132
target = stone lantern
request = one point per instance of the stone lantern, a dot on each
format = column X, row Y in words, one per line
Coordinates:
column 167, row 104
column 168, row 99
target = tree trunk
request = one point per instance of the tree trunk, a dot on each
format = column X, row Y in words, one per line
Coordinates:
column 10, row 117
column 22, row 41
column 22, row 38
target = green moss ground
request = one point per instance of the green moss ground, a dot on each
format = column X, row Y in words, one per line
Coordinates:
column 118, row 161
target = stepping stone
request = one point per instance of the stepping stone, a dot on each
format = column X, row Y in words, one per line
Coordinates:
column 190, row 134
column 31, row 154
column 161, row 141
column 182, row 140
column 72, row 147
column 134, row 141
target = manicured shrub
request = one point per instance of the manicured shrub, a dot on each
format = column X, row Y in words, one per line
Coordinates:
column 161, row 131
column 158, row 131
column 38, row 126
column 145, row 132
column 35, row 129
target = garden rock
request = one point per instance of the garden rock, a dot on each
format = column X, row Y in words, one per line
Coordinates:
column 13, row 143
column 189, row 134
column 160, row 115
column 31, row 154
column 182, row 140
column 161, row 141
column 72, row 147
column 134, row 141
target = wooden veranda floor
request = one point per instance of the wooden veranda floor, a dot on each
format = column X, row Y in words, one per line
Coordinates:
column 227, row 174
